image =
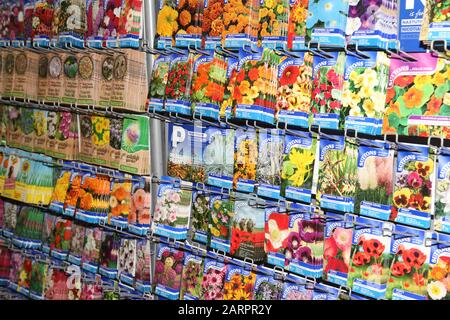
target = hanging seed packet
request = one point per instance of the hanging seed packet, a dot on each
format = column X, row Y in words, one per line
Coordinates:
column 273, row 23
column 43, row 77
column 190, row 16
column 417, row 96
column 180, row 151
column 86, row 137
column 442, row 196
column 374, row 185
column 239, row 283
column 24, row 273
column 56, row 284
column 172, row 210
column 435, row 21
column 115, row 142
column 230, row 84
column 201, row 211
column 178, row 87
column 213, row 23
column 267, row 287
column 106, row 80
column 166, row 24
column 294, row 90
column 28, row 14
column 91, row 250
column 25, row 78
column 62, row 133
column 126, row 265
column 40, row 131
column 94, row 23
column 437, row 284
column 92, row 289
column 298, row 166
column 14, row 272
column 247, row 232
column 168, row 272
column 70, row 78
column 61, row 238
column 213, row 279
column 72, row 27
column 159, row 76
column 409, row 271
column 192, row 276
column 245, row 160
column 25, row 129
column 8, row 74
column 130, row 24
column 2, row 215
column 101, row 137
column 47, row 232
column 10, row 218
column 414, row 186
column 364, row 92
column 77, row 244
column 143, row 273
column 16, row 30
column 337, row 248
column 110, row 23
column 61, row 189
column 55, row 75
column 296, row 289
column 371, row 258
column 120, row 201
column 268, row 167
column 39, row 271
column 218, row 157
column 222, row 212
column 328, row 81
column 5, row 264
column 73, row 194
column 298, row 13
column 89, row 75
column 42, row 24
column 109, row 252
column 139, row 217
column 13, row 165
column 337, row 173
column 276, row 232
column 242, row 31
column 199, row 143
column 74, row 282
column 13, row 127
column 28, row 231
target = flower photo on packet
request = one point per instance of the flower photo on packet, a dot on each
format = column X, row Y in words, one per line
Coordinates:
column 61, row 189
column 190, row 16
column 91, row 249
column 108, row 256
column 191, row 281
column 201, row 211
column 276, row 232
column 61, row 238
column 213, row 23
column 72, row 27
column 126, row 265
column 76, row 244
column 245, row 160
column 17, row 260
column 222, row 212
column 213, row 150
column 295, row 288
column 120, row 200
column 56, row 283
column 110, row 23
column 267, row 286
column 213, row 279
column 39, row 271
column 139, row 218
column 239, row 283
column 28, row 230
column 47, row 232
column 439, row 273
column 24, row 272
column 5, row 263
column 143, row 274
column 166, row 24
column 273, row 23
column 168, row 272
column 442, row 196
column 43, row 29
column 159, row 77
column 130, row 24
column 298, row 13
column 180, row 151
column 240, row 20
column 11, row 211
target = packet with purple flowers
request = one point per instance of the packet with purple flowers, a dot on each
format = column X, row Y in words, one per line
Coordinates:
column 442, row 197
column 62, row 133
column 191, row 283
column 296, row 288
column 144, row 253
column 108, row 258
column 168, row 271
column 213, row 279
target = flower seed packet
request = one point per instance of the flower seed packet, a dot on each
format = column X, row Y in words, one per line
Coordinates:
column 72, row 195
column 144, row 253
column 435, row 21
column 159, row 75
column 55, row 78
column 56, row 283
column 371, row 258
column 247, row 232
column 43, row 28
column 101, row 137
column 222, row 212
column 14, row 127
column 139, row 217
column 39, row 271
column 28, row 230
column 180, row 151
column 228, row 101
column 113, row 151
column 190, row 16
column 374, row 187
column 91, row 249
column 130, row 24
column 273, row 20
column 120, row 201
column 71, row 28
column 61, row 238
column 442, row 196
column 43, row 77
column 212, row 24
column 364, row 92
column 168, row 272
column 298, row 13
column 337, row 173
column 5, row 263
column 2, row 214
column 337, row 248
column 296, row 289
column 14, row 272
column 219, row 157
column 126, row 265
column 438, row 275
column 245, row 160
column 47, row 232
column 10, row 218
column 191, row 281
column 89, row 73
column 239, row 283
column 26, row 73
column 166, row 24
column 61, row 189
column 298, row 166
column 410, row 265
column 244, row 31
column 172, row 210
column 111, row 21
column 414, row 186
column 77, row 244
column 70, row 79
column 276, row 232
column 267, row 287
column 62, row 134
column 40, row 131
column 106, row 80
column 201, row 211
column 109, row 251
column 86, row 138
column 23, row 284
column 92, row 288
column 8, row 74
column 411, row 15
column 94, row 22
column 213, row 279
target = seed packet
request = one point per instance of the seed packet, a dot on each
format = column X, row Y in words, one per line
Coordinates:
column 180, row 151
column 326, row 23
column 247, row 232
column 200, row 141
column 91, row 251
column 26, row 122
column 61, row 189
column 77, row 244
column 10, row 218
column 94, row 23
column 435, row 22
column 298, row 166
column 242, row 31
column 108, row 257
column 72, row 28
column 409, row 271
column 190, row 16
column 74, row 282
column 61, row 238
column 136, row 145
column 2, row 214
column 239, row 283
column 374, row 186
column 55, row 78
column 229, row 101
column 337, row 248
column 24, row 275
column 296, row 289
column 192, row 276
column 159, row 76
column 222, row 211
column 371, row 258
column 39, row 271
column 14, row 272
column 267, row 287
column 100, row 140
column 245, row 159
column 5, row 263
column 276, row 231
column 8, row 74
column 213, row 279
column 43, row 77
column 168, row 272
column 28, row 14
column 89, row 74
column 106, row 80
column 25, row 78
column 213, row 23
column 139, row 217
column 178, row 87
column 86, row 137
column 273, row 23
column 28, row 230
column 298, row 13
column 110, row 23
column 120, row 201
column 92, row 289
column 410, row 22
column 172, row 210
column 442, row 200
column 294, row 90
column 56, row 284
column 70, row 79
column 126, row 265
column 47, row 232
column 74, row 192
column 12, row 164
column 417, row 94
column 201, row 211
column 364, row 92
column 166, row 24
column 13, row 127
column 130, row 24
column 337, row 173
column 40, row 131
column 437, row 287
column 62, row 133
column 115, row 143
column 16, row 31
column 414, row 186
column 42, row 27
column 328, row 82
column 218, row 157
column 304, row 251
column 143, row 274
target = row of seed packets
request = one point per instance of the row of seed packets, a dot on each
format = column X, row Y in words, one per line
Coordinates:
column 116, row 142
column 80, row 23
column 116, row 80
column 372, row 95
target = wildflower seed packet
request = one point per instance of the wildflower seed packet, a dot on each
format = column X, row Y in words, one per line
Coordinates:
column 222, row 212
column 438, row 275
column 28, row 230
column 101, row 137
column 180, row 151
column 267, row 287
column 71, row 28
column 328, row 82
column 61, row 189
column 106, row 80
column 337, row 173
column 414, row 186
column 40, row 131
column 139, row 217
column 247, row 232
column 86, row 137
column 89, row 74
column 120, row 201
column 371, row 258
column 337, row 248
column 25, row 77
column 245, row 160
column 213, row 279
column 442, row 196
column 172, row 210
column 243, row 31
column 42, row 27
column 77, row 244
column 91, row 249
column 191, row 281
column 411, row 15
column 374, row 187
column 144, row 253
column 239, row 283
column 326, row 23
column 410, row 265
column 166, row 24
column 109, row 252
column 201, row 211
column 126, row 265
column 296, row 289
column 43, row 77
column 190, row 16
column 39, row 271
column 273, row 21
column 130, row 24
column 14, row 272
column 61, row 238
column 110, row 24
column 417, row 94
column 159, row 75
column 10, row 218
column 55, row 78
column 364, row 92
column 298, row 166
column 435, row 21
column 168, row 272
column 94, row 22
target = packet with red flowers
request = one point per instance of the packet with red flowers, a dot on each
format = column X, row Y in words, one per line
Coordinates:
column 91, row 249
column 4, row 23
column 56, row 283
column 190, row 16
column 245, row 159
column 72, row 27
column 108, row 256
column 240, row 20
column 139, row 217
column 337, row 248
column 130, row 24
column 239, row 282
column 298, row 12
column 213, row 23
column 414, row 186
column 439, row 272
column 61, row 238
column 276, row 231
column 371, row 258
column 166, row 24
column 158, row 81
column 47, row 232
column 76, row 244
column 144, row 254
column 191, row 281
column 5, row 262
column 442, row 195
column 168, row 272
column 28, row 14
column 94, row 23
column 24, row 272
column 273, row 23
column 16, row 23
column 92, row 288
column 110, row 23
column 222, row 211
column 328, row 80
column 43, row 29
column 409, row 270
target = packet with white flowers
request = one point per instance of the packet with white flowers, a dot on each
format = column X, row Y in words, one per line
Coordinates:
column 144, row 254
column 76, row 244
column 180, row 151
column 276, row 232
column 201, row 210
column 126, row 264
column 130, row 23
column 439, row 272
column 72, row 27
column 442, row 200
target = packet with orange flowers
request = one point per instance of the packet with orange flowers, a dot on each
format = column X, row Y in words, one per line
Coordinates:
column 222, row 211
column 273, row 23
column 227, row 104
column 439, row 268
column 240, row 20
column 61, row 238
column 190, row 16
column 245, row 160
column 239, row 283
column 410, row 265
column 213, row 23
column 139, row 217
column 68, row 192
column 120, row 200
column 167, row 24
column 442, row 195
column 298, row 13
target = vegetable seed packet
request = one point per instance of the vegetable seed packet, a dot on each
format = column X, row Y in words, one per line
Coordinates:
column 77, row 244
column 222, row 212
column 168, row 272
column 191, row 282
column 144, row 253
column 213, row 279
column 245, row 159
column 108, row 256
column 91, row 250
column 239, row 283
column 126, row 264
column 437, row 288
column 442, row 200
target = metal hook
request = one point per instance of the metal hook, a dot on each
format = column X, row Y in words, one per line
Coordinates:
column 357, row 53
column 438, row 53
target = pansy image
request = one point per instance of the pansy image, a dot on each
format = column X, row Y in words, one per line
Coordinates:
column 191, row 282
column 442, row 193
column 337, row 251
column 239, row 286
column 438, row 287
column 213, row 281
column 127, row 257
column 364, row 15
column 92, row 245
column 169, row 268
column 297, row 20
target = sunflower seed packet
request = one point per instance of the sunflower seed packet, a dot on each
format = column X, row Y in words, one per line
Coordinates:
column 168, row 272
column 191, row 280
column 442, row 196
column 245, row 160
column 222, row 212
column 109, row 251
column 438, row 268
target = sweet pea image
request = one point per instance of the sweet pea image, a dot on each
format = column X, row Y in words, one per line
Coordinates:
column 173, row 208
column 438, row 287
column 143, row 261
column 337, row 251
column 293, row 291
column 169, row 268
column 95, row 13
